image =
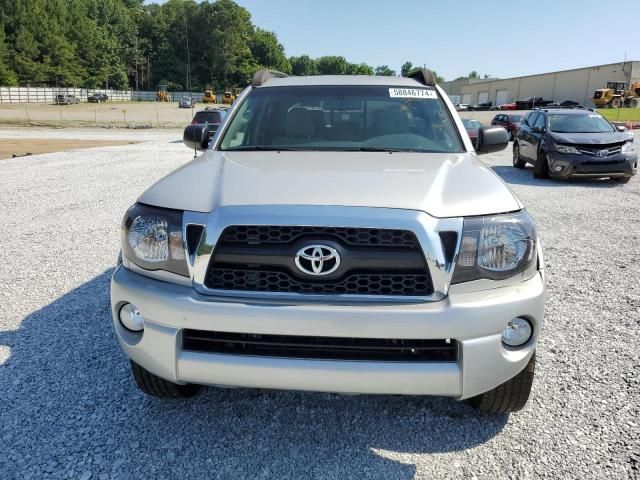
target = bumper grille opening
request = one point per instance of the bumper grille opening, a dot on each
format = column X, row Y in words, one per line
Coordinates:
column 326, row 348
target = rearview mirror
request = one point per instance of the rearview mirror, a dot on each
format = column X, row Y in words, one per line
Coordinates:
column 491, row 139
column 196, row 137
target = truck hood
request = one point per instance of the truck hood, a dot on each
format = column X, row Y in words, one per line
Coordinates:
column 590, row 138
column 442, row 185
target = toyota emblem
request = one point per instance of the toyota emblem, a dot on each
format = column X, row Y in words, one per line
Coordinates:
column 317, row 260
column 602, row 153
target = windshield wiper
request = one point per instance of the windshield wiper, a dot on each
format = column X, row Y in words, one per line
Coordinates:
column 261, row 148
column 370, row 149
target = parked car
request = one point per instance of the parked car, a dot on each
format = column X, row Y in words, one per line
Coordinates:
column 185, row 102
column 340, row 235
column 508, row 106
column 573, row 142
column 97, row 98
column 472, row 127
column 565, row 104
column 510, row 122
column 210, row 116
column 481, row 106
column 530, row 103
column 67, row 99
column 462, row 107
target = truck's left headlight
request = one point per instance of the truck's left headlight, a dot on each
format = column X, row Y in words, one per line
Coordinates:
column 152, row 239
column 495, row 247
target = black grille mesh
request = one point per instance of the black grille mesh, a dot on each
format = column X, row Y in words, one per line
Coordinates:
column 407, row 284
column 366, row 237
column 449, row 242
column 255, row 271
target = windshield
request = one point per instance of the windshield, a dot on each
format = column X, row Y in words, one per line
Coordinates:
column 471, row 124
column 342, row 118
column 515, row 118
column 592, row 123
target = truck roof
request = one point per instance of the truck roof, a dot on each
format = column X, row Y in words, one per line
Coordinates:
column 317, row 80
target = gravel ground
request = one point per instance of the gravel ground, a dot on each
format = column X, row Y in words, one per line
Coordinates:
column 69, row 407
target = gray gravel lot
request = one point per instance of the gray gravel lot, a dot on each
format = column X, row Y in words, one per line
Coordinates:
column 69, row 407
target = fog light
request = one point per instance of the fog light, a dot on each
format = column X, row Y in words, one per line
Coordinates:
column 558, row 168
column 131, row 318
column 517, row 332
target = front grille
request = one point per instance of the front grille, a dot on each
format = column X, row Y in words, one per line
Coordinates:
column 367, row 237
column 592, row 150
column 357, row 284
column 328, row 348
column 373, row 261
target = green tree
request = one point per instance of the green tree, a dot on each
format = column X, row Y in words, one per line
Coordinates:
column 406, row 69
column 332, row 65
column 268, row 52
column 384, row 70
column 7, row 75
column 473, row 74
column 303, row 65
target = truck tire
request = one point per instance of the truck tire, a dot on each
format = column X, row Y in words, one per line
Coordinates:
column 616, row 103
column 633, row 103
column 518, row 162
column 159, row 387
column 511, row 396
column 541, row 167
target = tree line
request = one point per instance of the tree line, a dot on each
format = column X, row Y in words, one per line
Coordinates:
column 125, row 44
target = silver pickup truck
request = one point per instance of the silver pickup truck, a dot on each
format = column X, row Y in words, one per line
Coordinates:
column 339, row 234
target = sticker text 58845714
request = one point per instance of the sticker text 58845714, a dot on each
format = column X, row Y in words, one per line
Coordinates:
column 412, row 93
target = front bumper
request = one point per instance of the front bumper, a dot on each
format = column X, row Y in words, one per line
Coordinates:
column 474, row 319
column 564, row 165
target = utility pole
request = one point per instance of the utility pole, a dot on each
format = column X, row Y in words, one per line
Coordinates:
column 186, row 30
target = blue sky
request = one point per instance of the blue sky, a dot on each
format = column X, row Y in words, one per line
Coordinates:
column 498, row 37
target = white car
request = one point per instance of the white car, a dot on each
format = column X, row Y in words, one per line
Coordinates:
column 462, row 107
column 339, row 234
column 185, row 103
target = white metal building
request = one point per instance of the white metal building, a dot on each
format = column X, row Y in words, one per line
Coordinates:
column 577, row 85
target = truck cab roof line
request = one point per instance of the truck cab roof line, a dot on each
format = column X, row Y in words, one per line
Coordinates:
column 424, row 76
column 263, row 76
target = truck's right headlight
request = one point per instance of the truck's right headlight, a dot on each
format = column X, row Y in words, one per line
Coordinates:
column 495, row 247
column 152, row 239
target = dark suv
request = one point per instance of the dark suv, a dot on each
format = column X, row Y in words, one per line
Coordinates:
column 561, row 143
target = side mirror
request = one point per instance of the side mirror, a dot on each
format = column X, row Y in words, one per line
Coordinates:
column 621, row 128
column 537, row 129
column 491, row 139
column 196, row 137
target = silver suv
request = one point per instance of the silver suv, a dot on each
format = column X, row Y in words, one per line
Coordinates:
column 338, row 235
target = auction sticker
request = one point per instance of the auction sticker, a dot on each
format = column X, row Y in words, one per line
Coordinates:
column 412, row 93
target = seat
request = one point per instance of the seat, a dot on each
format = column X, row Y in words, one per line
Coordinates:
column 299, row 127
column 391, row 120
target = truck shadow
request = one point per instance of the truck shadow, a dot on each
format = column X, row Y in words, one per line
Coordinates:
column 68, row 401
column 517, row 176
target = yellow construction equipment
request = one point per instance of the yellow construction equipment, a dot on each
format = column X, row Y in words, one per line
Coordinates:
column 617, row 95
column 163, row 96
column 209, row 96
column 230, row 95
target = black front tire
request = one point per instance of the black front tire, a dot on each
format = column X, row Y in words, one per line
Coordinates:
column 518, row 162
column 159, row 387
column 511, row 396
column 541, row 167
column 622, row 179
